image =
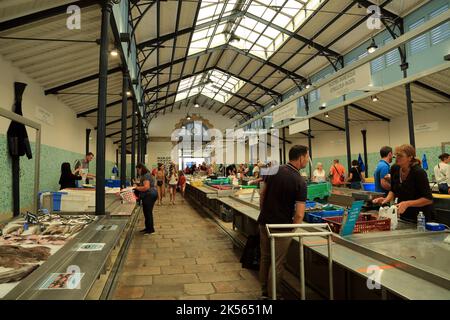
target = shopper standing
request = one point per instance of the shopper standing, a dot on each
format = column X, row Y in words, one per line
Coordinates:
column 355, row 176
column 160, row 183
column 182, row 183
column 319, row 173
column 282, row 201
column 381, row 175
column 410, row 185
column 442, row 173
column 337, row 174
column 173, row 182
column 148, row 196
column 67, row 178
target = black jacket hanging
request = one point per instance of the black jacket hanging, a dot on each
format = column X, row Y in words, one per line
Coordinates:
column 18, row 143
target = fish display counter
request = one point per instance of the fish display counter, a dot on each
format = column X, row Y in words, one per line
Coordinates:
column 60, row 251
column 410, row 264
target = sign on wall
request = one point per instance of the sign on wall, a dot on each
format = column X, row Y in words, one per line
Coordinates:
column 353, row 80
column 299, row 127
column 44, row 115
column 426, row 127
column 287, row 112
column 166, row 161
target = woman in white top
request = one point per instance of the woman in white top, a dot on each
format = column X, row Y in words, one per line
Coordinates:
column 173, row 182
column 319, row 174
column 442, row 173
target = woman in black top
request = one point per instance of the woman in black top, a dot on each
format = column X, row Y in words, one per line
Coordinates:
column 67, row 179
column 148, row 195
column 355, row 176
column 410, row 185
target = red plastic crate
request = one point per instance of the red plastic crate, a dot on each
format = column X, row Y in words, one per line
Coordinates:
column 364, row 224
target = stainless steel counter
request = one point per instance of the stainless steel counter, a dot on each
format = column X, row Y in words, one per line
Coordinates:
column 91, row 263
column 412, row 265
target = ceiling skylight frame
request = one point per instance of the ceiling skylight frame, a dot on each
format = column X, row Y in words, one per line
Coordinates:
column 214, row 84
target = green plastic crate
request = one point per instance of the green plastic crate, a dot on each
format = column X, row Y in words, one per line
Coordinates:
column 319, row 191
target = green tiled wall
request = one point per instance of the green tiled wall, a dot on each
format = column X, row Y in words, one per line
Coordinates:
column 51, row 159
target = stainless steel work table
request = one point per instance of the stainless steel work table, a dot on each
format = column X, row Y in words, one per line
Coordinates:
column 90, row 263
column 389, row 250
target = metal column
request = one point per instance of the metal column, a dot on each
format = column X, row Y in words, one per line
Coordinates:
column 88, row 135
column 101, row 114
column 364, row 135
column 409, row 108
column 123, row 151
column 310, row 148
column 347, row 138
column 139, row 141
column 133, row 140
column 284, row 145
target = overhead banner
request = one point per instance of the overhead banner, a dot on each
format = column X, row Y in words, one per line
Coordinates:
column 299, row 127
column 356, row 79
column 287, row 112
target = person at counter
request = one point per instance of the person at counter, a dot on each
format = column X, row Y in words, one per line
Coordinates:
column 337, row 174
column 148, row 195
column 442, row 173
column 410, row 185
column 319, row 174
column 355, row 176
column 282, row 201
column 82, row 166
column 67, row 178
column 381, row 174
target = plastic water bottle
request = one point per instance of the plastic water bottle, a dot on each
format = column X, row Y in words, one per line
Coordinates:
column 421, row 222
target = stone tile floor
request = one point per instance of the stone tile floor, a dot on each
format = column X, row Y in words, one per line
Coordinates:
column 188, row 257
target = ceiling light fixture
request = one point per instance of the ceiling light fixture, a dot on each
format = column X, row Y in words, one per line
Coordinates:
column 196, row 105
column 128, row 93
column 188, row 117
column 114, row 53
column 372, row 47
column 327, row 115
column 308, row 84
column 375, row 98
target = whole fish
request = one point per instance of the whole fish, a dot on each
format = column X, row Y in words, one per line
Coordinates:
column 17, row 274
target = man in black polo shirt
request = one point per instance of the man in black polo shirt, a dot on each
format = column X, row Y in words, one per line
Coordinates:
column 282, row 201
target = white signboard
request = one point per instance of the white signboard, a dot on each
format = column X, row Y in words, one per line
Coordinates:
column 44, row 115
column 252, row 140
column 287, row 112
column 354, row 80
column 426, row 127
column 299, row 127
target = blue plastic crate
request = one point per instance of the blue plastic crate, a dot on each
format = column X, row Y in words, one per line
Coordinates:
column 316, row 216
column 369, row 187
column 56, row 199
column 112, row 183
column 310, row 204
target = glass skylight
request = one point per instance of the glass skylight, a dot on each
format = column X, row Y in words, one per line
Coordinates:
column 256, row 29
column 214, row 84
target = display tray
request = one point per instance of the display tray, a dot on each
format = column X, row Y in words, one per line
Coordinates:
column 71, row 272
column 424, row 254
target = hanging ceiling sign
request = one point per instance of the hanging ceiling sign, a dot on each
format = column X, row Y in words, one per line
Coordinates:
column 252, row 140
column 299, row 127
column 356, row 79
column 287, row 112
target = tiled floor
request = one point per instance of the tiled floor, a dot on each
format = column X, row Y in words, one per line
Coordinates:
column 188, row 257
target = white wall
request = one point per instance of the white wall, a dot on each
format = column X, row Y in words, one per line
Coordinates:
column 164, row 125
column 67, row 131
